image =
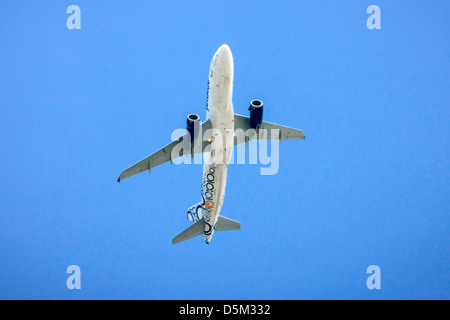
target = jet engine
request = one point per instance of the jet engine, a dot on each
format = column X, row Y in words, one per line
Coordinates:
column 256, row 113
column 193, row 126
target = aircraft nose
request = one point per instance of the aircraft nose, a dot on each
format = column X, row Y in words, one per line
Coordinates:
column 224, row 59
column 225, row 52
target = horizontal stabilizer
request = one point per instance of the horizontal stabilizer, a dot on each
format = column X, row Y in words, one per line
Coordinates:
column 225, row 224
column 198, row 228
column 195, row 230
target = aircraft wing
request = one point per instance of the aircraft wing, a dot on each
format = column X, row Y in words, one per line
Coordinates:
column 165, row 154
column 243, row 122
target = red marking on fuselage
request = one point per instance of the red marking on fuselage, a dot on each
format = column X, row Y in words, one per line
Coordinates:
column 209, row 204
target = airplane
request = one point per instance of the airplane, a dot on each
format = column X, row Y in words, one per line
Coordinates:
column 220, row 120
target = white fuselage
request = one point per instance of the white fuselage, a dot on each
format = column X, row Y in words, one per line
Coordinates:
column 220, row 112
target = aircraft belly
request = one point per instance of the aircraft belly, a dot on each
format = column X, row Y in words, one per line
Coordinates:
column 221, row 114
column 213, row 192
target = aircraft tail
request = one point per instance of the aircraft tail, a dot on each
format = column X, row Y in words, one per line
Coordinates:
column 223, row 224
column 195, row 212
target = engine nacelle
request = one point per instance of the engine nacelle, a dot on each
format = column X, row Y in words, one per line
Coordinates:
column 193, row 126
column 256, row 113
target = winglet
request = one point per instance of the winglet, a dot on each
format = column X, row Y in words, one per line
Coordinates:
column 118, row 180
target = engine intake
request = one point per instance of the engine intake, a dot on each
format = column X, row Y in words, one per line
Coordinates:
column 193, row 126
column 256, row 113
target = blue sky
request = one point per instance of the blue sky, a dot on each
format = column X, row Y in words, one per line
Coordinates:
column 369, row 186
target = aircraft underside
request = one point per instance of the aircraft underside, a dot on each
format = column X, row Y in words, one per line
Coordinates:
column 215, row 138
